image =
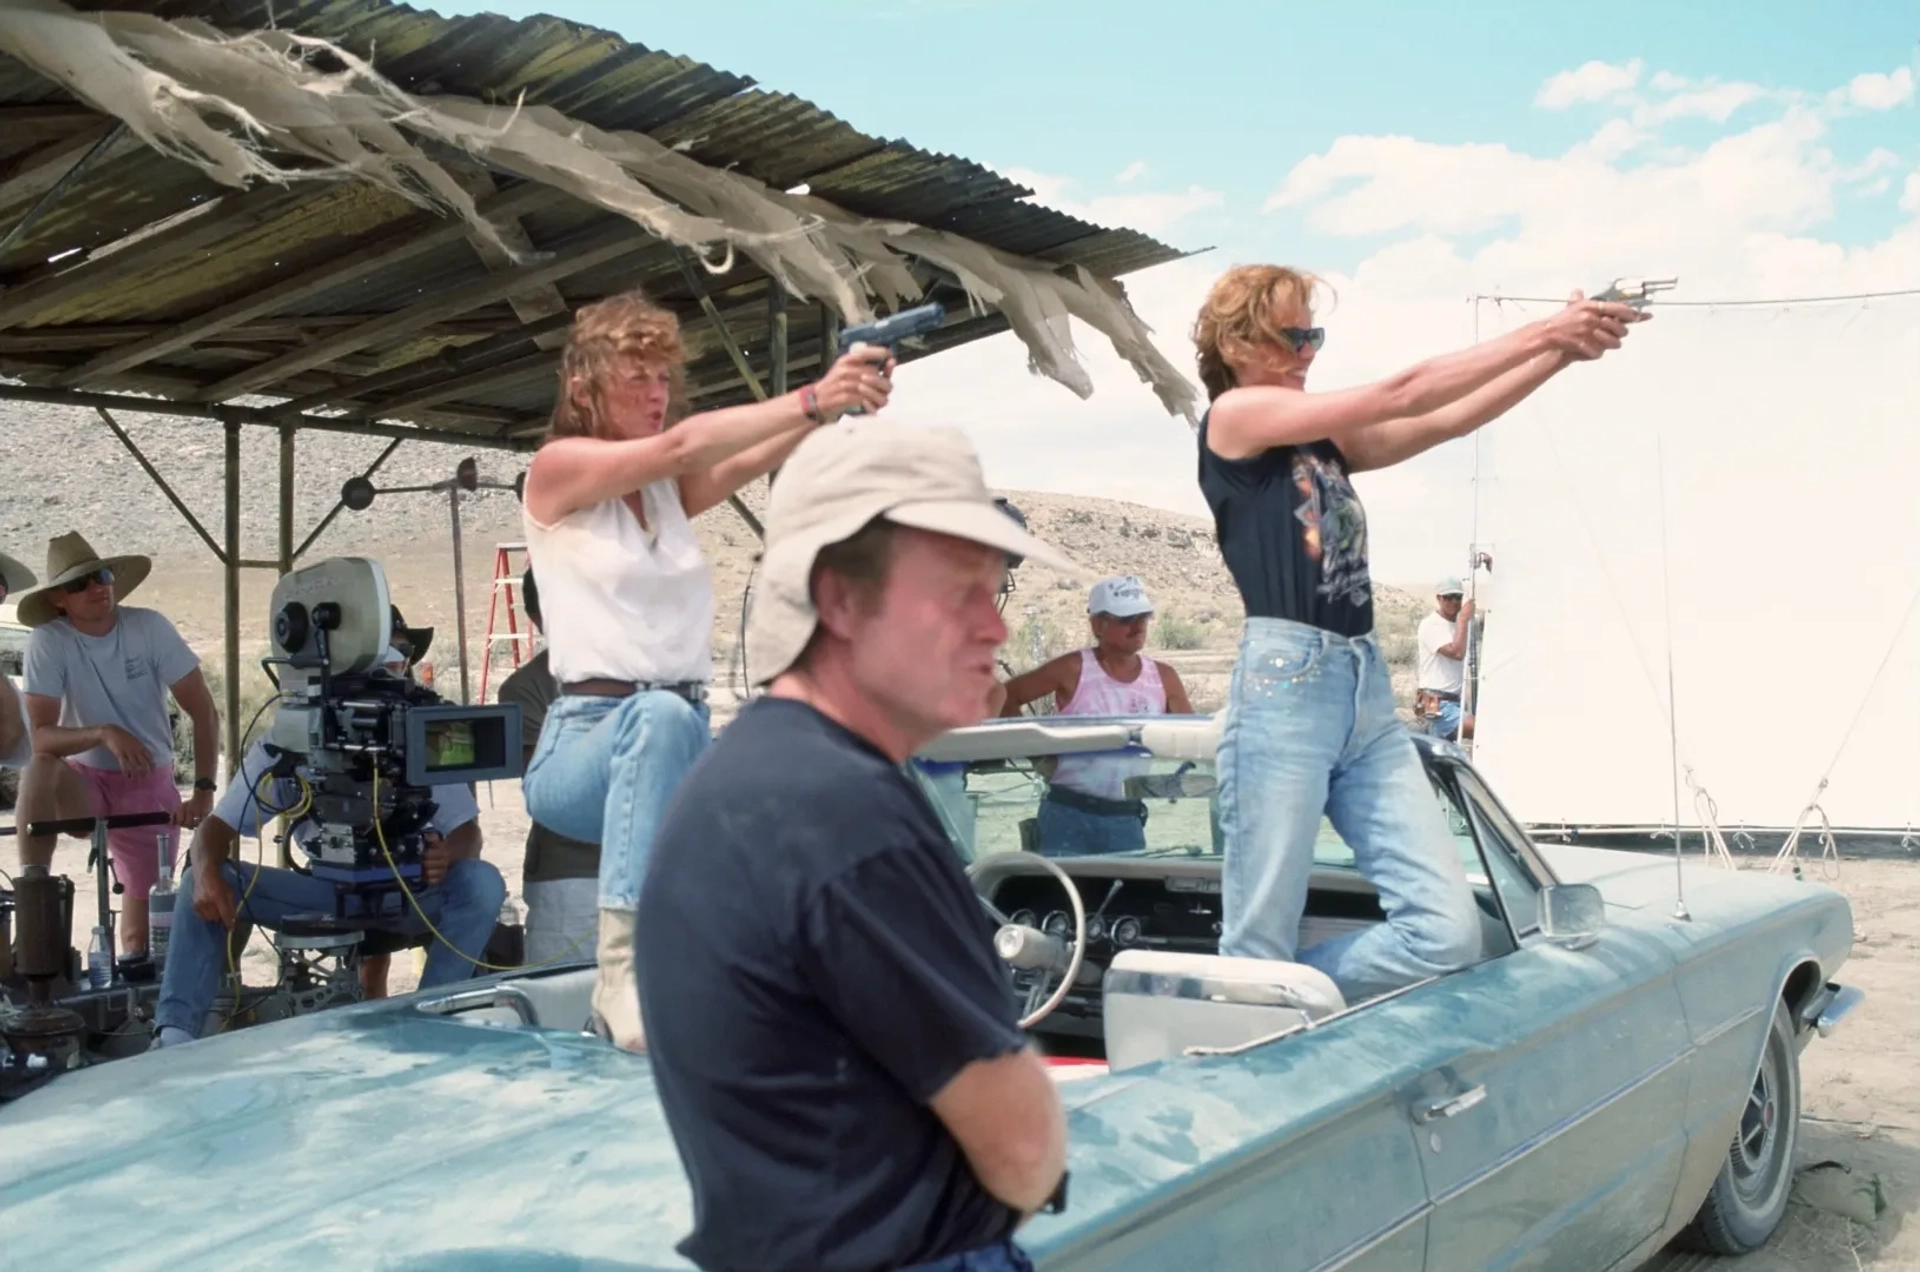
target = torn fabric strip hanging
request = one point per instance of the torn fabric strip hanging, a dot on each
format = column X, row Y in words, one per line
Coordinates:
column 252, row 107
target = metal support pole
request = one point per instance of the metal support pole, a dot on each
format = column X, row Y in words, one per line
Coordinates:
column 459, row 591
column 232, row 565
column 777, row 335
column 285, row 554
column 153, row 475
column 335, row 511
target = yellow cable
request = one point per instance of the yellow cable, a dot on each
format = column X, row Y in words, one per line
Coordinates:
column 380, row 834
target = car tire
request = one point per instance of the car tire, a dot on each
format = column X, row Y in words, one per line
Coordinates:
column 1749, row 1195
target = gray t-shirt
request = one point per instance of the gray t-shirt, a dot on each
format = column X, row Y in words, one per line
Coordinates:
column 121, row 678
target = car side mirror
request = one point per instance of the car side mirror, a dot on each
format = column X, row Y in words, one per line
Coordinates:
column 1572, row 913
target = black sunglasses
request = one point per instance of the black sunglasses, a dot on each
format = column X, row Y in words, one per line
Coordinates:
column 102, row 576
column 1298, row 338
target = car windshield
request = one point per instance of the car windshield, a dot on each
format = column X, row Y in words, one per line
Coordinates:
column 1102, row 802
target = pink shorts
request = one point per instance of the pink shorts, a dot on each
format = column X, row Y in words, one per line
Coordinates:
column 134, row 850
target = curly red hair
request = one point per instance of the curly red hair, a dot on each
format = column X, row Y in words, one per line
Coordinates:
column 622, row 330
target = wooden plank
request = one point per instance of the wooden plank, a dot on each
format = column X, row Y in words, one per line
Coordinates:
column 535, row 303
column 416, row 236
column 542, row 362
column 596, row 248
column 38, row 171
column 55, row 119
column 148, row 248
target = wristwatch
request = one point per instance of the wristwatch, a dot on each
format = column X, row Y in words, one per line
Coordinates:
column 203, row 784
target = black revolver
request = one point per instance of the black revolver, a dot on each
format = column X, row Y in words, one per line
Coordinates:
column 891, row 331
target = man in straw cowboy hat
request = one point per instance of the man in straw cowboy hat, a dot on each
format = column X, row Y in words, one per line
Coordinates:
column 16, row 737
column 97, row 678
column 830, row 1031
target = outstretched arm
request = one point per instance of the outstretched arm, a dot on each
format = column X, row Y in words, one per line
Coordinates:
column 712, row 453
column 1246, row 421
column 1388, row 442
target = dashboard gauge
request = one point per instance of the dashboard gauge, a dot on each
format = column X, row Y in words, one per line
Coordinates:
column 1096, row 927
column 1059, row 924
column 1023, row 918
column 1126, row 931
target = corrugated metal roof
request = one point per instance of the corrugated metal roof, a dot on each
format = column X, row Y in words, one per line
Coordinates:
column 591, row 75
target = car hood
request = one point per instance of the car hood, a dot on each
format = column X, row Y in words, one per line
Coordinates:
column 369, row 1136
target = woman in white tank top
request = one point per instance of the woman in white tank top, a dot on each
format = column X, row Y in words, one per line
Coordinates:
column 626, row 594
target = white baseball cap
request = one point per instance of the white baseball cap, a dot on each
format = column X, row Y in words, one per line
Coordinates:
column 1121, row 595
column 839, row 479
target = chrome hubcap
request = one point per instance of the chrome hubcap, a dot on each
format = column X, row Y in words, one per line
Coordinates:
column 1753, row 1145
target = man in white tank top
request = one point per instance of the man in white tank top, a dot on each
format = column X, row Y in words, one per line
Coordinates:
column 1087, row 810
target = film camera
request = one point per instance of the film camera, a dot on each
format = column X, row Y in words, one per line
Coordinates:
column 370, row 745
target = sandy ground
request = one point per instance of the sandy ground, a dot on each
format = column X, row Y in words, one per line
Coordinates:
column 1861, row 1099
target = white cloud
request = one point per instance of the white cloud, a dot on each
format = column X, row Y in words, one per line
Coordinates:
column 1591, row 82
column 1743, row 216
column 1877, row 91
column 1134, row 170
column 1714, row 101
column 1151, row 212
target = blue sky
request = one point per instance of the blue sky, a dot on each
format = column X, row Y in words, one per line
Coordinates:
column 1125, row 81
column 1417, row 153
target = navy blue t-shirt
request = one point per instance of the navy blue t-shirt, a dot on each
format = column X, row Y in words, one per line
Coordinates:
column 1293, row 534
column 814, row 967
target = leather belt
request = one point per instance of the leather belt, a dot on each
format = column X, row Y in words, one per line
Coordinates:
column 1095, row 804
column 1443, row 694
column 694, row 691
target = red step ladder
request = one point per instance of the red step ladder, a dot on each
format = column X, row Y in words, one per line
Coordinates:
column 506, row 598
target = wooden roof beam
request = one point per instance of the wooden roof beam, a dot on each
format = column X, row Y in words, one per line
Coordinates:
column 149, row 247
column 418, row 235
column 597, row 247
column 537, row 302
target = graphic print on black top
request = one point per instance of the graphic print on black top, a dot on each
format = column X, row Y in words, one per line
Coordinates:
column 1334, row 528
column 1292, row 533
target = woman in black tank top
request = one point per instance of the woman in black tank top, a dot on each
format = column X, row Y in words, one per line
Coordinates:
column 1310, row 725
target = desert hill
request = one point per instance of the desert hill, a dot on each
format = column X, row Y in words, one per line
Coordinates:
column 66, row 470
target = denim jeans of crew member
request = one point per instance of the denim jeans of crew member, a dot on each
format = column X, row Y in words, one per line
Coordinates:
column 1311, row 729
column 464, row 906
column 604, row 771
column 1068, row 831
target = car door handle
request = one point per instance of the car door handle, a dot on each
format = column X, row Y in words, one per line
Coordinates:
column 1450, row 1107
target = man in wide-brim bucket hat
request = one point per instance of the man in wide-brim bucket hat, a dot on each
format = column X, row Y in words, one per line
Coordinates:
column 97, row 678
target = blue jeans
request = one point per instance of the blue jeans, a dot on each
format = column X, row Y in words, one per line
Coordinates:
column 1447, row 724
column 1311, row 729
column 465, row 906
column 603, row 772
column 1004, row 1257
column 1066, row 831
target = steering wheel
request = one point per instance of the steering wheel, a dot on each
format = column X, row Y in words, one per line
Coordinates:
column 1029, row 949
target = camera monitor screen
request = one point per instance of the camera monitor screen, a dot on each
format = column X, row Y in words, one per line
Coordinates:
column 462, row 744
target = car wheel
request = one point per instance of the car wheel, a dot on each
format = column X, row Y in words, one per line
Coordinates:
column 1749, row 1196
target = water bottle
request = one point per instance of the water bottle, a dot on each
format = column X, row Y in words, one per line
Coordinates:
column 100, row 960
column 160, row 907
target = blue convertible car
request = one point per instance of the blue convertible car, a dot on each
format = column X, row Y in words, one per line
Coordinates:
column 1616, row 1072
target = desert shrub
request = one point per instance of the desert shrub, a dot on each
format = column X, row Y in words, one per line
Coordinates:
column 1173, row 630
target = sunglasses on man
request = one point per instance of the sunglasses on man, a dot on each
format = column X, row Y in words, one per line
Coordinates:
column 103, row 576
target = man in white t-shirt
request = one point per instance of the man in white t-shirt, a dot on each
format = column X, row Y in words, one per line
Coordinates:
column 16, row 735
column 1443, row 652
column 462, row 895
column 97, row 678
